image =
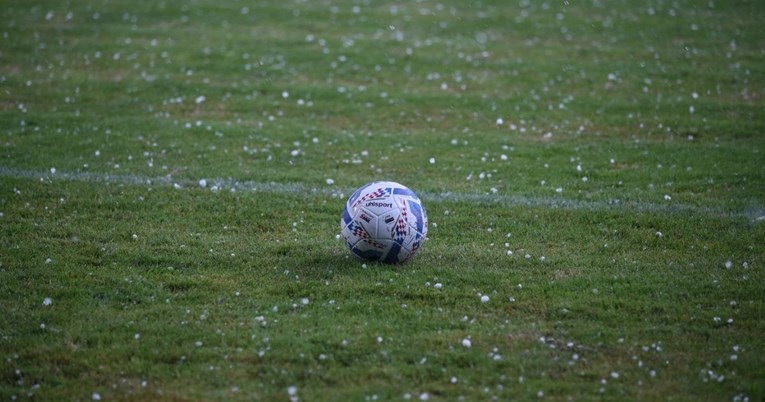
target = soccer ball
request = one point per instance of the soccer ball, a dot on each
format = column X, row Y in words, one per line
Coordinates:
column 384, row 221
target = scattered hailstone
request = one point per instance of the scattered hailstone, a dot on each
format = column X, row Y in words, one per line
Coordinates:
column 667, row 197
column 199, row 99
column 467, row 343
column 432, row 161
column 96, row 396
column 47, row 301
column 52, row 170
column 202, row 183
column 438, row 285
column 304, row 301
column 330, row 182
column 728, row 264
column 500, row 121
column 484, row 299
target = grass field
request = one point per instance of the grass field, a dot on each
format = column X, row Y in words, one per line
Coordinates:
column 172, row 175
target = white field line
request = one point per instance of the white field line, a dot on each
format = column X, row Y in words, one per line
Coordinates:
column 219, row 184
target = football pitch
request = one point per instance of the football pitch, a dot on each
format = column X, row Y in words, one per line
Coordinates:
column 172, row 175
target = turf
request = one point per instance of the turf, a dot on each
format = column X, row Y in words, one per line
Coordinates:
column 595, row 169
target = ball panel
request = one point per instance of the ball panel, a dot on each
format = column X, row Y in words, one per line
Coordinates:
column 404, row 192
column 370, row 194
column 346, row 218
column 393, row 256
column 371, row 249
column 419, row 216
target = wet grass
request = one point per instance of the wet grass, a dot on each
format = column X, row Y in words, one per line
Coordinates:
column 595, row 171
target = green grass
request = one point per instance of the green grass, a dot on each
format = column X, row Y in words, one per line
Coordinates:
column 626, row 178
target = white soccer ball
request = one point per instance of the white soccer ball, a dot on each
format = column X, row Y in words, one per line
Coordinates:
column 384, row 221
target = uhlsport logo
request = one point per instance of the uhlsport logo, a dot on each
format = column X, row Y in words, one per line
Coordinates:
column 379, row 204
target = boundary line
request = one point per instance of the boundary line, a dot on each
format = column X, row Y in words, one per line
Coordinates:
column 219, row 184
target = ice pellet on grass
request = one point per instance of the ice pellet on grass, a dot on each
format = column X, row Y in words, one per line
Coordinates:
column 202, row 183
column 484, row 299
column 467, row 343
column 292, row 392
column 47, row 301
